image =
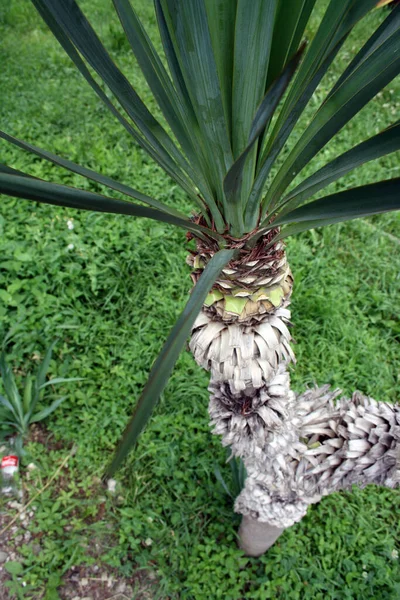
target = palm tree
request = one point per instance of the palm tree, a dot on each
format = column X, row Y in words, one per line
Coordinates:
column 232, row 86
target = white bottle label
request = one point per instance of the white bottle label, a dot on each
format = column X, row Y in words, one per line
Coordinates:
column 9, row 464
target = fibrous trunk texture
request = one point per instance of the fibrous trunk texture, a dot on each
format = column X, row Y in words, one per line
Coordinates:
column 338, row 444
column 296, row 449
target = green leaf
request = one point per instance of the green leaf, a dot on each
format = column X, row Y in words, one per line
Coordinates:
column 10, row 386
column 335, row 26
column 62, row 195
column 41, row 373
column 14, row 568
column 234, row 177
column 373, row 74
column 190, row 35
column 253, row 38
column 358, row 202
column 221, row 16
column 73, row 22
column 90, row 174
column 275, row 295
column 168, row 356
column 10, row 171
column 235, row 304
column 172, row 106
column 6, row 297
column 290, row 23
column 58, row 380
column 212, row 297
column 180, row 85
column 43, row 414
column 238, row 474
column 162, row 158
column 386, row 29
column 338, row 21
column 219, row 477
column 8, row 406
column 14, row 425
column 27, row 393
column 156, row 76
column 383, row 143
column 278, row 140
column 173, row 62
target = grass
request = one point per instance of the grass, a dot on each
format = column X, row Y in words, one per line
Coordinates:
column 110, row 290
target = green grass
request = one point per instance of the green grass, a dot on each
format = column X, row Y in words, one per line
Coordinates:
column 111, row 301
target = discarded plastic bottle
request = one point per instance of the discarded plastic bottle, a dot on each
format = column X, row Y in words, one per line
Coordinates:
column 9, row 471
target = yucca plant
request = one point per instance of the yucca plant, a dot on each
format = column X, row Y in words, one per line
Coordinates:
column 19, row 411
column 235, row 79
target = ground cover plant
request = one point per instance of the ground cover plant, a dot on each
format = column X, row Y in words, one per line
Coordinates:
column 338, row 282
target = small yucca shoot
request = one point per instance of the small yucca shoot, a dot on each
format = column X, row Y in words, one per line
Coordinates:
column 18, row 413
column 237, row 81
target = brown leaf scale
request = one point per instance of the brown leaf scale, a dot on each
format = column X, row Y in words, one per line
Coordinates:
column 240, row 264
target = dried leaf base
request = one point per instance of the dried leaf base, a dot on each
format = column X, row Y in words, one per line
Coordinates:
column 296, row 449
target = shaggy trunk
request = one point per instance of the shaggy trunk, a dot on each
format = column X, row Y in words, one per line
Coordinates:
column 295, row 449
column 348, row 442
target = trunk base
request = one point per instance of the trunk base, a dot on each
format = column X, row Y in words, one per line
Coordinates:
column 256, row 537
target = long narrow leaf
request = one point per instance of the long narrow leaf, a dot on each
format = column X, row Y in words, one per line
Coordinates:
column 219, row 477
column 383, row 143
column 15, row 424
column 173, row 62
column 7, row 404
column 90, row 174
column 41, row 373
column 163, row 159
column 43, row 414
column 181, row 121
column 233, row 179
column 339, row 19
column 238, row 474
column 10, row 171
column 290, row 23
column 281, row 138
column 188, row 27
column 386, row 29
column 166, row 360
column 180, row 85
column 62, row 195
column 28, row 389
column 221, row 17
column 318, row 55
column 358, row 202
column 40, row 380
column 370, row 77
column 74, row 23
column 336, row 25
column 10, row 386
column 253, row 38
column 58, row 380
column 155, row 74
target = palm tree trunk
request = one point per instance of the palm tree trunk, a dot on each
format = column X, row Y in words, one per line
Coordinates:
column 295, row 449
column 242, row 337
column 256, row 537
column 348, row 442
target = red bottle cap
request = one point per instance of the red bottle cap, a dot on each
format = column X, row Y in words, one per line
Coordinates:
column 9, row 461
